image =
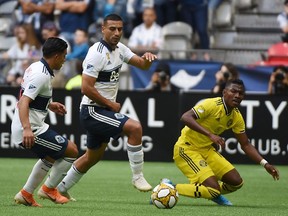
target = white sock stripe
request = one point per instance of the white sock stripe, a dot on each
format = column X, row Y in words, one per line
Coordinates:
column 47, row 144
column 47, row 163
column 69, row 160
column 134, row 148
column 76, row 170
column 103, row 118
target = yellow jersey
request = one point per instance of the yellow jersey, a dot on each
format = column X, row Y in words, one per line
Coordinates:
column 212, row 114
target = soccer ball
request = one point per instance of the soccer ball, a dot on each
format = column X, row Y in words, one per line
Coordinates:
column 164, row 196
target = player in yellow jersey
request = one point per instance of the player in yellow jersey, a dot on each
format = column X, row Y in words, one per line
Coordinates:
column 209, row 173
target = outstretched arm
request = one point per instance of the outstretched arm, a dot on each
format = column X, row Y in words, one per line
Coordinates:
column 144, row 62
column 250, row 150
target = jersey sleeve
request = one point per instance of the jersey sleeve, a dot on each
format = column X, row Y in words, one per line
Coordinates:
column 202, row 108
column 239, row 126
column 37, row 81
column 127, row 53
column 93, row 62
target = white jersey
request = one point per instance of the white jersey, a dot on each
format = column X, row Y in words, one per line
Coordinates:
column 104, row 64
column 37, row 86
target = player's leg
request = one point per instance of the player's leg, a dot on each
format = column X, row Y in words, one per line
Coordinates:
column 225, row 172
column 133, row 130
column 37, row 175
column 94, row 121
column 194, row 167
column 80, row 167
column 58, row 172
column 230, row 182
column 105, row 123
column 64, row 153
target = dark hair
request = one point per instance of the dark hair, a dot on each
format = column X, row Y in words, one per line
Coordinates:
column 235, row 81
column 232, row 69
column 113, row 17
column 285, row 2
column 52, row 46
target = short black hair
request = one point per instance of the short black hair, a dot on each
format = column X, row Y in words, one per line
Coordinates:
column 114, row 17
column 52, row 46
column 235, row 81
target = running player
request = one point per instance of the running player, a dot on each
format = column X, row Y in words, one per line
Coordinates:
column 99, row 110
column 31, row 132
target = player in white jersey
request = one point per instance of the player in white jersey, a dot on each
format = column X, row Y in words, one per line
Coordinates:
column 31, row 132
column 99, row 110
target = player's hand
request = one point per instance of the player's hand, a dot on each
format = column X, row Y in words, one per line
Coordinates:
column 58, row 108
column 28, row 138
column 149, row 56
column 115, row 107
column 217, row 140
column 272, row 171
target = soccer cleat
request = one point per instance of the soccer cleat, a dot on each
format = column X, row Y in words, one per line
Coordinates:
column 167, row 181
column 141, row 184
column 52, row 194
column 68, row 196
column 221, row 200
column 25, row 198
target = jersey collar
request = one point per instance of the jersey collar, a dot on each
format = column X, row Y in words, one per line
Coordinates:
column 107, row 45
column 47, row 66
column 225, row 107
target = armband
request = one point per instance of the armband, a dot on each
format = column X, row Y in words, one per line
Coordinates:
column 263, row 162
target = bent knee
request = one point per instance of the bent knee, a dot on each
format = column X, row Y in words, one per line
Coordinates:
column 132, row 127
column 136, row 127
column 231, row 188
column 72, row 150
column 237, row 183
column 238, row 186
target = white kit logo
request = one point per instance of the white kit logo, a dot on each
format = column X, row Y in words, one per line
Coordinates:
column 114, row 76
column 59, row 139
column 119, row 115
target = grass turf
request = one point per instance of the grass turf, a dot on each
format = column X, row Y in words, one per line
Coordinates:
column 106, row 190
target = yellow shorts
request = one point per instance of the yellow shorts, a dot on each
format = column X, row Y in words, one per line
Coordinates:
column 198, row 164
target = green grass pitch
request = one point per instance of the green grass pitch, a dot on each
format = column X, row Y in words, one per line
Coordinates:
column 106, row 190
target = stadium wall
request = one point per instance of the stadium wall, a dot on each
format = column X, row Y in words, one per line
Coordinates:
column 159, row 113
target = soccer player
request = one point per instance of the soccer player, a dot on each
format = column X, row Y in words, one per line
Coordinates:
column 208, row 172
column 31, row 132
column 99, row 112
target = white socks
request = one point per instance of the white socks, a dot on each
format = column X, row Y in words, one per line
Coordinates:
column 58, row 171
column 38, row 173
column 72, row 177
column 136, row 159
